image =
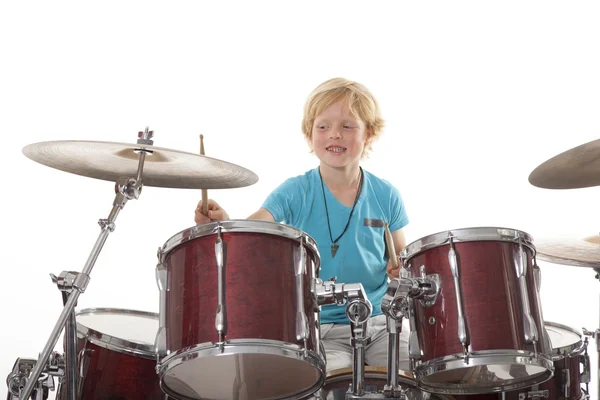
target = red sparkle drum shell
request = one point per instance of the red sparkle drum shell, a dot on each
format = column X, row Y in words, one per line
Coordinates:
column 263, row 312
column 339, row 381
column 116, row 357
column 500, row 358
column 568, row 351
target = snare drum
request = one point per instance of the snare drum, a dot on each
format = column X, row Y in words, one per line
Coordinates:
column 569, row 353
column 116, row 356
column 238, row 318
column 484, row 333
column 340, row 380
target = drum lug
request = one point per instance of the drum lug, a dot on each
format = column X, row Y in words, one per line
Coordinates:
column 221, row 315
column 585, row 361
column 463, row 328
column 162, row 282
column 529, row 325
column 302, row 331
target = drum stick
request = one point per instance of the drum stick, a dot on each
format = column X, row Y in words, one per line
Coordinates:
column 390, row 245
column 204, row 191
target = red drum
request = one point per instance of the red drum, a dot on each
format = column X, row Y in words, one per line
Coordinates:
column 238, row 317
column 116, row 355
column 484, row 333
column 340, row 380
column 568, row 353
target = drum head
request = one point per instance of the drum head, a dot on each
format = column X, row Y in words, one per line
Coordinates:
column 564, row 340
column 121, row 330
column 249, row 376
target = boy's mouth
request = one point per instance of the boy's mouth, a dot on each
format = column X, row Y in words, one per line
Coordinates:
column 336, row 149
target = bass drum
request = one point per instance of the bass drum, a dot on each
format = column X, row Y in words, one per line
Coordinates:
column 339, row 381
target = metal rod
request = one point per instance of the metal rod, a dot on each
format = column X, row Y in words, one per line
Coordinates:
column 394, row 328
column 71, row 366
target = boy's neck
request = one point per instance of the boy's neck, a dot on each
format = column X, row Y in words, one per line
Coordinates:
column 339, row 179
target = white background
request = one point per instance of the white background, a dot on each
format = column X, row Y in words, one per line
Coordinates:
column 475, row 94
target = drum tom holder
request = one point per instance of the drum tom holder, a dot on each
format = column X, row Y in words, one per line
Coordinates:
column 27, row 374
column 396, row 306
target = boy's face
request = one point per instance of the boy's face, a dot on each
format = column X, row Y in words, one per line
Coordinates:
column 338, row 139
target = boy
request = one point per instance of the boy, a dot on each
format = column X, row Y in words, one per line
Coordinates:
column 343, row 208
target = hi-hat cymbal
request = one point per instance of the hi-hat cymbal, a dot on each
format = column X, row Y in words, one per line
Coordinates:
column 163, row 168
column 578, row 167
column 579, row 253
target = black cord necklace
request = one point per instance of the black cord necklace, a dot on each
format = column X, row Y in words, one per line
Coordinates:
column 334, row 245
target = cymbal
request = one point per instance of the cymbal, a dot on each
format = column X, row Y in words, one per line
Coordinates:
column 163, row 168
column 579, row 253
column 578, row 167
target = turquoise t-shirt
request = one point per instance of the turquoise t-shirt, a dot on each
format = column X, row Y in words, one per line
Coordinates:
column 361, row 257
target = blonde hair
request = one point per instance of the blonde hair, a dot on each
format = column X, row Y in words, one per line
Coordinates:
column 358, row 98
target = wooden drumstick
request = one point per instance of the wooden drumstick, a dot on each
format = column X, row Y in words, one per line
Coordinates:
column 390, row 245
column 204, row 191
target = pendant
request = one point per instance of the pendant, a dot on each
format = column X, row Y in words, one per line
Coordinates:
column 334, row 248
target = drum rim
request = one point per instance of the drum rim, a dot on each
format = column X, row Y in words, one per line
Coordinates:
column 481, row 233
column 568, row 350
column 114, row 343
column 285, row 349
column 378, row 372
column 479, row 358
column 239, row 225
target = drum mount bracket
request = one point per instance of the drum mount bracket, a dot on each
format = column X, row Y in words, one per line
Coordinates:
column 22, row 370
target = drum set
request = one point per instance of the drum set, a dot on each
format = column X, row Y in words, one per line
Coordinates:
column 471, row 296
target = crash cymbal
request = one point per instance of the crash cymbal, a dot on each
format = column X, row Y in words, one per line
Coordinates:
column 578, row 167
column 163, row 168
column 579, row 253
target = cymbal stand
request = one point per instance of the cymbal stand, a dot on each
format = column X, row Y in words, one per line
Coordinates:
column 596, row 335
column 125, row 189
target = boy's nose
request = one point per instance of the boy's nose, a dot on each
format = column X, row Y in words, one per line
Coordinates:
column 335, row 134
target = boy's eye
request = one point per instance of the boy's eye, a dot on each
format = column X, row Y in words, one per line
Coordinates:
column 348, row 127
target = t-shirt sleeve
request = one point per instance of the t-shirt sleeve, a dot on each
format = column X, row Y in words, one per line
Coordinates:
column 284, row 202
column 399, row 217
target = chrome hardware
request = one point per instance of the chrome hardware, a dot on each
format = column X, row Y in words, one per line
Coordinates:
column 396, row 304
column 537, row 276
column 358, row 311
column 534, row 394
column 221, row 317
column 428, row 299
column 329, row 292
column 160, row 342
column 529, row 325
column 463, row 329
column 21, row 373
column 145, row 137
column 565, row 383
column 431, row 320
column 414, row 349
column 302, row 332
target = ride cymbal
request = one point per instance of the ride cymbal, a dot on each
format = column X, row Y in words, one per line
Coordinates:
column 579, row 253
column 578, row 167
column 162, row 168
